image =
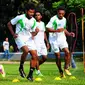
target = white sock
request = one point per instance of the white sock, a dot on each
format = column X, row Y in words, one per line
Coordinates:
column 38, row 71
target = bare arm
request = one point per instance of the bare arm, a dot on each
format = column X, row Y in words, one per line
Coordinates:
column 69, row 33
column 35, row 33
column 52, row 30
column 46, row 40
column 11, row 29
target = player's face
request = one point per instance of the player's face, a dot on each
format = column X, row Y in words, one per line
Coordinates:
column 38, row 16
column 30, row 13
column 61, row 14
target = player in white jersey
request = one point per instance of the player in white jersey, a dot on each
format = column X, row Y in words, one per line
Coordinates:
column 25, row 27
column 57, row 28
column 41, row 41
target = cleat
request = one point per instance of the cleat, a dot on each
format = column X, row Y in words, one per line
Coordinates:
column 2, row 72
column 72, row 77
column 67, row 72
column 30, row 79
column 39, row 73
column 62, row 75
column 22, row 73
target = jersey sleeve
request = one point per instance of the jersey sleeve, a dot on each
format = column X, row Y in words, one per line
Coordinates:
column 14, row 20
column 49, row 24
column 34, row 26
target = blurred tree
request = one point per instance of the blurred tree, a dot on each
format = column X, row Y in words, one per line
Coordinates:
column 10, row 8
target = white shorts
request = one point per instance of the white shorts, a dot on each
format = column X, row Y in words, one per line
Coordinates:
column 56, row 45
column 41, row 49
column 25, row 42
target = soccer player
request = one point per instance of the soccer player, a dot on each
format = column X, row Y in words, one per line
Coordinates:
column 25, row 28
column 57, row 30
column 2, row 72
column 41, row 40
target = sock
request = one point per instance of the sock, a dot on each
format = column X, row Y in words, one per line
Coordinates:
column 60, row 70
column 31, row 72
column 38, row 71
column 21, row 64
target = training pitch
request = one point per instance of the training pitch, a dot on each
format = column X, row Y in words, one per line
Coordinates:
column 48, row 69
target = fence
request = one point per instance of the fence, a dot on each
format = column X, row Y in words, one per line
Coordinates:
column 17, row 56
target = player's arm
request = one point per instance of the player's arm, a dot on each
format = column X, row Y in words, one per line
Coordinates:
column 69, row 33
column 46, row 40
column 35, row 32
column 52, row 30
column 10, row 26
column 34, row 29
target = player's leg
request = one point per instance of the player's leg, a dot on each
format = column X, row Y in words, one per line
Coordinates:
column 67, row 60
column 33, row 64
column 58, row 63
column 43, row 52
column 55, row 48
column 23, row 57
column 41, row 61
column 2, row 72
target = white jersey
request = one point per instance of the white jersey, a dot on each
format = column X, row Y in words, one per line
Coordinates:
column 56, row 23
column 39, row 38
column 6, row 45
column 24, row 26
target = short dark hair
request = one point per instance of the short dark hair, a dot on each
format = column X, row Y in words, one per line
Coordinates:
column 61, row 8
column 29, row 6
column 38, row 11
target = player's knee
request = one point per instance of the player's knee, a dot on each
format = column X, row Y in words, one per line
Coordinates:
column 45, row 58
column 35, row 57
column 58, row 59
column 67, row 53
column 26, row 51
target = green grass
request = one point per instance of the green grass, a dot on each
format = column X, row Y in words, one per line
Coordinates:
column 49, row 70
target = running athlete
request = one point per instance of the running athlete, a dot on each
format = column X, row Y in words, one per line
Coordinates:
column 41, row 41
column 57, row 30
column 25, row 27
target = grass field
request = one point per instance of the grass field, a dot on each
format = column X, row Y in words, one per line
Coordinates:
column 48, row 69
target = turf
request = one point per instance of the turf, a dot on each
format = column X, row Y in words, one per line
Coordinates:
column 48, row 69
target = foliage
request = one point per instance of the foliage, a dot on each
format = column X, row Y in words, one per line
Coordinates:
column 76, row 3
column 57, row 4
column 10, row 8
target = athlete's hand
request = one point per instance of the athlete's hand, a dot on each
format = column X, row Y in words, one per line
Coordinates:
column 36, row 30
column 60, row 30
column 15, row 35
column 72, row 34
